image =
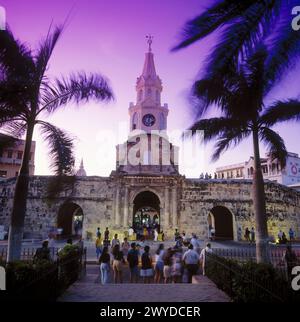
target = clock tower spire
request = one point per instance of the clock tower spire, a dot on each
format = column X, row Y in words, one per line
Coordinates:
column 147, row 149
column 147, row 113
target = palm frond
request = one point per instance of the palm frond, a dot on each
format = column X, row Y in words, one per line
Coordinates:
column 281, row 111
column 275, row 145
column 15, row 98
column 61, row 149
column 240, row 37
column 15, row 57
column 254, row 73
column 15, row 128
column 228, row 139
column 215, row 127
column 220, row 13
column 45, row 50
column 284, row 50
column 77, row 88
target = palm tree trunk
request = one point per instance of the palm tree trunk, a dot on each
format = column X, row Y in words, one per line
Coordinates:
column 258, row 190
column 20, row 201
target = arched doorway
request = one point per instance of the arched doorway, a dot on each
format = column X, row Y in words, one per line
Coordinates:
column 70, row 219
column 146, row 214
column 220, row 218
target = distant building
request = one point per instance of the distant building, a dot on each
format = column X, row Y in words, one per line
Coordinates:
column 11, row 158
column 81, row 171
column 295, row 186
column 271, row 169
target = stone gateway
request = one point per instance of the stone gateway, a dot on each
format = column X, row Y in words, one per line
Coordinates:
column 187, row 204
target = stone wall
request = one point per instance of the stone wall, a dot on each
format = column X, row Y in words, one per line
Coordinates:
column 201, row 196
column 184, row 203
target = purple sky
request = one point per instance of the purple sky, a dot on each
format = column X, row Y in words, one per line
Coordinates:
column 109, row 37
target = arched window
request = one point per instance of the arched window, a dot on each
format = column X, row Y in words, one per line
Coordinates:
column 162, row 121
column 149, row 92
column 135, row 119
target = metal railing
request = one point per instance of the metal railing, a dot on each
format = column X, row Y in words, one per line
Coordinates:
column 28, row 253
column 247, row 254
column 49, row 282
column 248, row 282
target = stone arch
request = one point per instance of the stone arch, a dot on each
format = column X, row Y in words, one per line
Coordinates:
column 146, row 206
column 133, row 196
column 70, row 219
column 223, row 221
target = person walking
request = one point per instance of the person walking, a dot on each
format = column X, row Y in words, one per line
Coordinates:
column 115, row 241
column 239, row 234
column 104, row 262
column 185, row 239
column 167, row 258
column 118, row 261
column 203, row 256
column 106, row 234
column 133, row 261
column 291, row 234
column 252, row 236
column 176, row 235
column 247, row 235
column 177, row 268
column 191, row 261
column 159, row 264
column 130, row 233
column 125, row 247
column 284, row 239
column 42, row 253
column 98, row 232
column 155, row 234
column 279, row 236
column 195, row 242
column 146, row 271
column 98, row 245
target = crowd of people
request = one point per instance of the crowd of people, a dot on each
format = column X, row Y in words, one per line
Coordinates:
column 163, row 266
column 167, row 265
column 282, row 239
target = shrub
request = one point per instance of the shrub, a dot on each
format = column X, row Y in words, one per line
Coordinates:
column 249, row 282
column 28, row 280
column 42, row 279
column 69, row 259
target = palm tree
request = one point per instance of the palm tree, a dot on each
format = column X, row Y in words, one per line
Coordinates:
column 243, row 114
column 243, row 24
column 26, row 93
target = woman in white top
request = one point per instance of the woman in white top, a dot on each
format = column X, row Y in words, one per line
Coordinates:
column 159, row 264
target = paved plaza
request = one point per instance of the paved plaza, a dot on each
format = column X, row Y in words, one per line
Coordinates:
column 90, row 290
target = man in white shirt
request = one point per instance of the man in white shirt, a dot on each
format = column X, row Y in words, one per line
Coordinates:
column 204, row 252
column 130, row 232
column 191, row 260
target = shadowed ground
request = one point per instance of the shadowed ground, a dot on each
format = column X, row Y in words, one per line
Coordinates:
column 90, row 290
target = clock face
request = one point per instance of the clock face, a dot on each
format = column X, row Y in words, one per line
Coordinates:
column 148, row 119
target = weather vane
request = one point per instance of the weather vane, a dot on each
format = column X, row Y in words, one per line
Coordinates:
column 149, row 41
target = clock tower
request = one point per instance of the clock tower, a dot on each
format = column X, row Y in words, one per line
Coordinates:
column 148, row 149
column 148, row 114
